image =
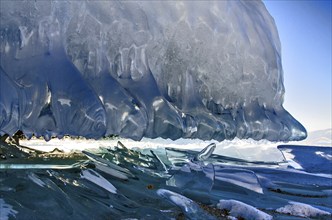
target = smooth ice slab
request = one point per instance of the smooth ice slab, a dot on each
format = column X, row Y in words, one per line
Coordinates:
column 192, row 69
column 319, row 162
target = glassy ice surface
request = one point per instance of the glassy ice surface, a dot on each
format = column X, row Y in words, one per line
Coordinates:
column 149, row 69
column 123, row 182
column 166, row 69
column 311, row 160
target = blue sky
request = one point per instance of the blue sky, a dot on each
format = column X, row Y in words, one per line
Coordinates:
column 305, row 33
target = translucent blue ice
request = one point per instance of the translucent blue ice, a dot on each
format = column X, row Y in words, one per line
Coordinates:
column 192, row 69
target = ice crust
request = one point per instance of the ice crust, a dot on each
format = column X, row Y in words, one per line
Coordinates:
column 303, row 210
column 166, row 69
column 241, row 210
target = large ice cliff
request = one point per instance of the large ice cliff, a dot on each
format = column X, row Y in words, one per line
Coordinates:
column 171, row 69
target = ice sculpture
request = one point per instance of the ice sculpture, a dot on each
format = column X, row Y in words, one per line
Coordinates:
column 166, row 69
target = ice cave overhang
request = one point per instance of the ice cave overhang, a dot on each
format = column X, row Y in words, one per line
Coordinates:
column 138, row 69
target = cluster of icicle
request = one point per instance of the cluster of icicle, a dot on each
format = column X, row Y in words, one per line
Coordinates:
column 192, row 69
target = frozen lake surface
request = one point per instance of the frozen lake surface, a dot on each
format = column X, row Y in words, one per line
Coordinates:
column 162, row 179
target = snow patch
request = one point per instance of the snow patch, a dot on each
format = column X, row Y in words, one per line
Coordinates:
column 240, row 209
column 302, row 210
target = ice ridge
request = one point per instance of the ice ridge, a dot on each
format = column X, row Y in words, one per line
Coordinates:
column 166, row 69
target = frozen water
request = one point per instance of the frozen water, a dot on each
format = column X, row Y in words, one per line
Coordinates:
column 240, row 177
column 320, row 158
column 97, row 179
column 193, row 177
column 205, row 153
column 241, row 210
column 189, row 207
column 6, row 210
column 303, row 210
column 188, row 69
column 122, row 182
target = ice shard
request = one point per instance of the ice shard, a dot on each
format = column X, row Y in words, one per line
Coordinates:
column 192, row 69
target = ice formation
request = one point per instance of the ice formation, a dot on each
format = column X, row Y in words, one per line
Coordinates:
column 190, row 209
column 166, row 69
column 241, row 210
column 303, row 210
column 6, row 210
column 97, row 179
